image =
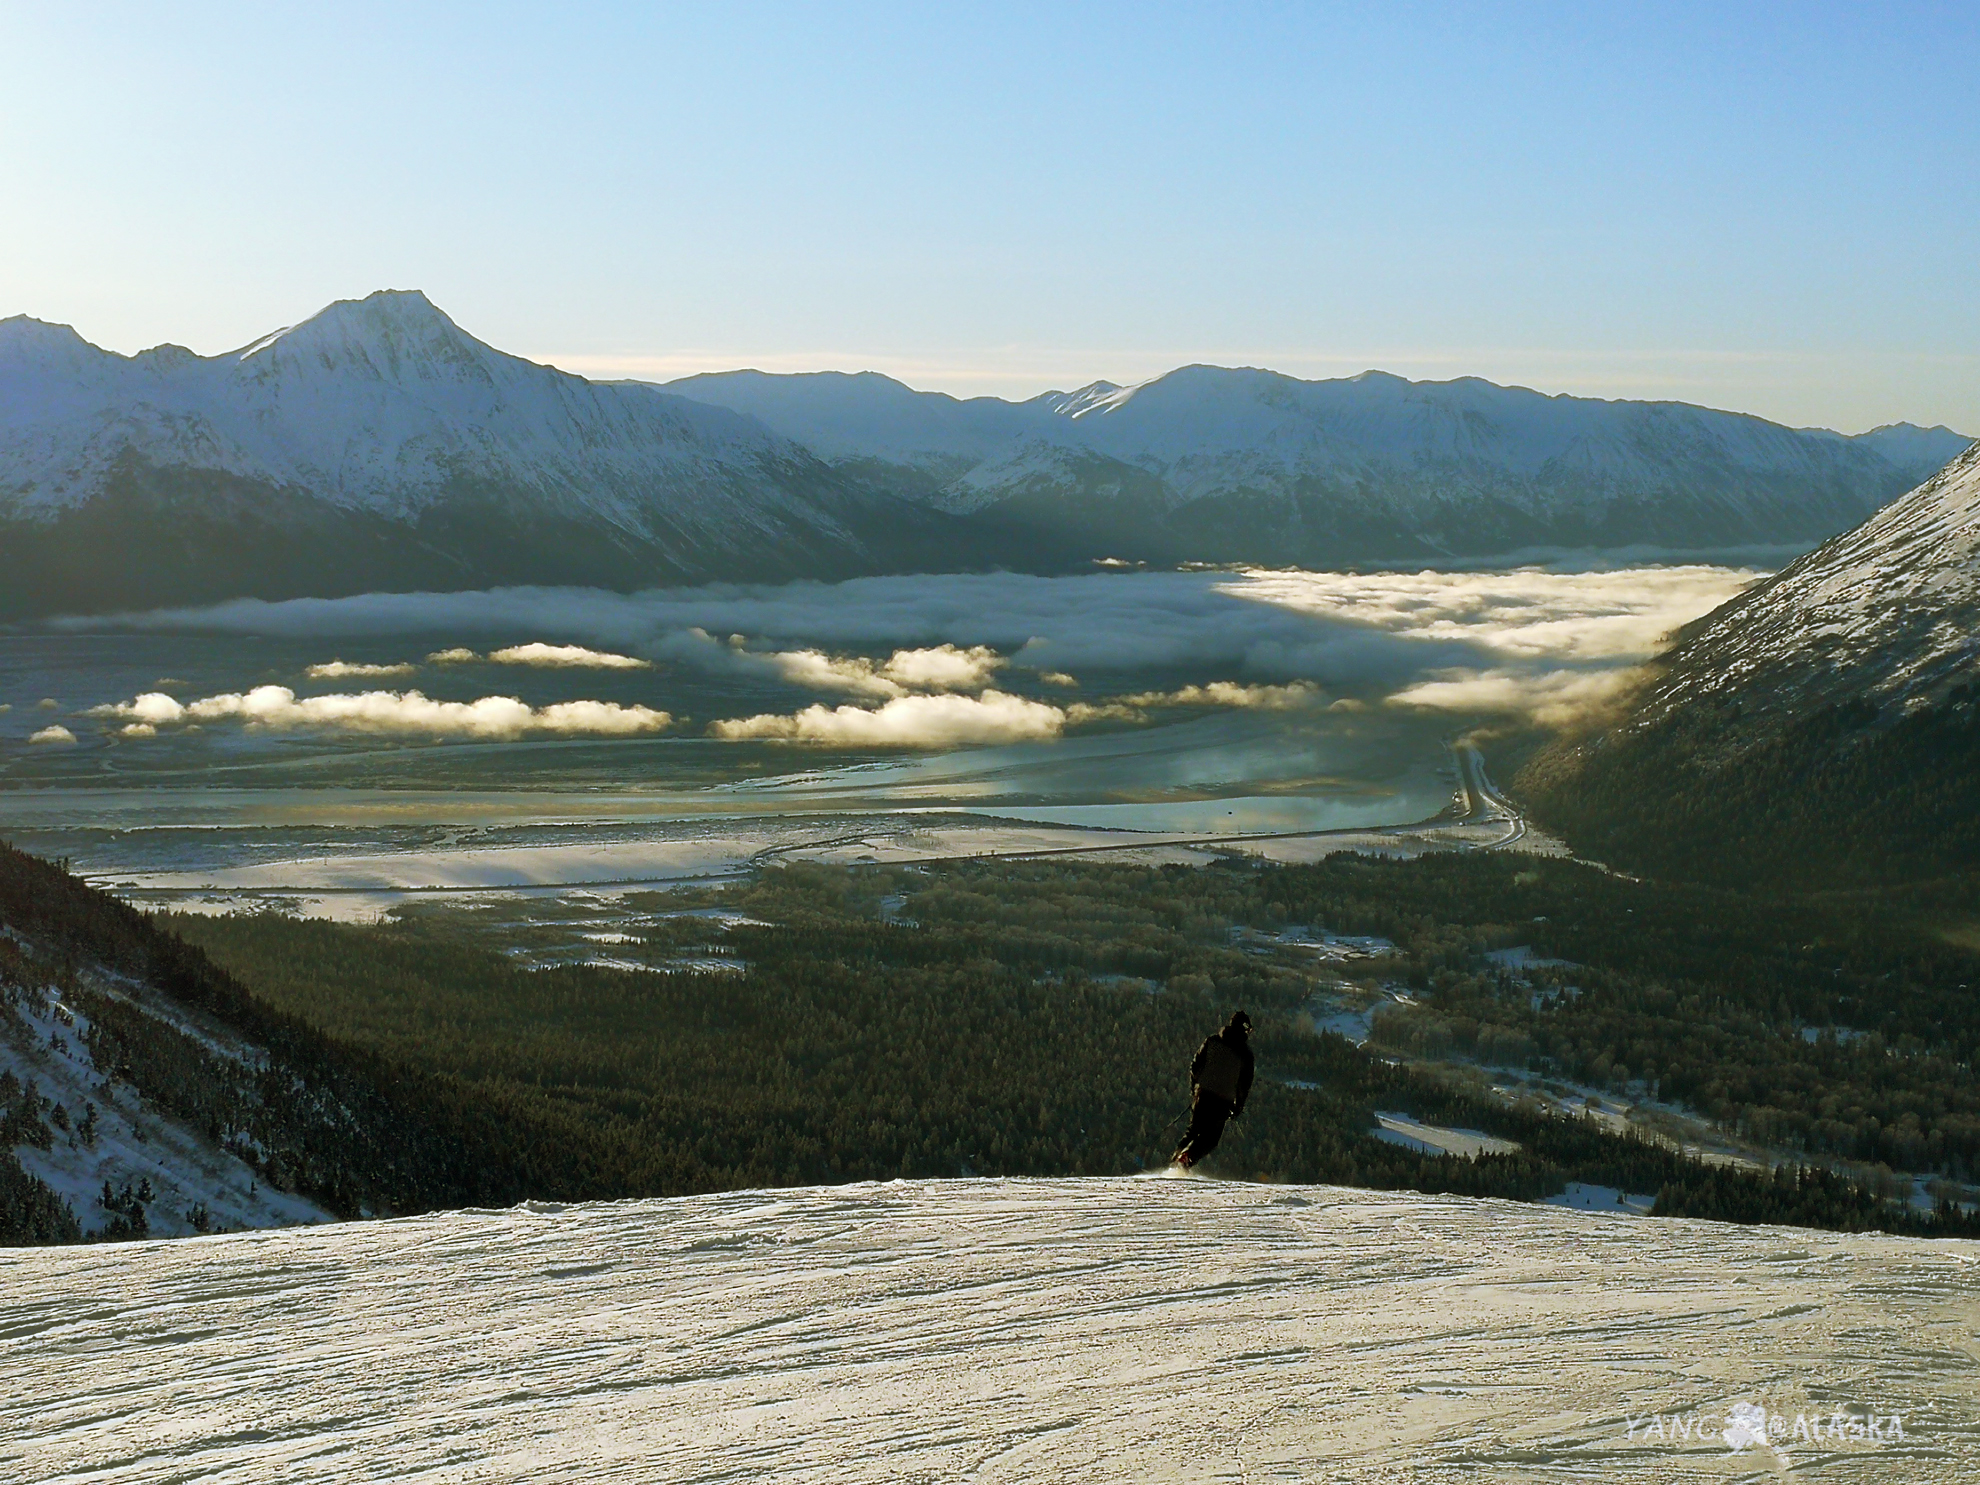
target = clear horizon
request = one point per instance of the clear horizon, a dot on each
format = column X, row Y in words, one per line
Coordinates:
column 1768, row 211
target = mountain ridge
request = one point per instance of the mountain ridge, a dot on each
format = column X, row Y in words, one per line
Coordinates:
column 377, row 445
column 1243, row 463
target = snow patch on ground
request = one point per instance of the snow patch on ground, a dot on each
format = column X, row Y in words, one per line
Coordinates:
column 1522, row 956
column 1583, row 1196
column 1433, row 1139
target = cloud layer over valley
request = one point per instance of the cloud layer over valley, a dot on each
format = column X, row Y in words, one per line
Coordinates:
column 946, row 661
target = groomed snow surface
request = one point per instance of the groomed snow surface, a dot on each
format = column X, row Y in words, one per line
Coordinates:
column 994, row 1331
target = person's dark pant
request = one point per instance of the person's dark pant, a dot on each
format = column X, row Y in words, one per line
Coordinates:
column 1208, row 1114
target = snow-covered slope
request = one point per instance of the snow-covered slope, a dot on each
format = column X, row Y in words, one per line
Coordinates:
column 102, row 1134
column 1244, row 463
column 128, row 1059
column 379, row 423
column 996, row 1331
column 1888, row 612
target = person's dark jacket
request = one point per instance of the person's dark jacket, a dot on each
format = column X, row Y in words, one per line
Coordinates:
column 1223, row 1066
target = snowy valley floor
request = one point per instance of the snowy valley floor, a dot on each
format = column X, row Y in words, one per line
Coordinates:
column 993, row 1331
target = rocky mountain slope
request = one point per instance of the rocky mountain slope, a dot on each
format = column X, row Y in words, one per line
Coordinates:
column 377, row 445
column 998, row 1330
column 1824, row 724
column 1213, row 463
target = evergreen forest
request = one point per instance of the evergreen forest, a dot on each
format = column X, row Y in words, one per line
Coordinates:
column 1012, row 1018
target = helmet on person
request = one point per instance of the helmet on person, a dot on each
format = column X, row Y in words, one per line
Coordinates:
column 1240, row 1023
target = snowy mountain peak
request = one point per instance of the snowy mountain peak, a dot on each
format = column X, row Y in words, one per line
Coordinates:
column 392, row 334
column 31, row 345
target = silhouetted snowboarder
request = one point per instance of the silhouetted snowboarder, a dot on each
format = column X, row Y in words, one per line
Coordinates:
column 1219, row 1083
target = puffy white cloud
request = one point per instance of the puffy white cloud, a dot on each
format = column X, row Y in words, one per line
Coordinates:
column 333, row 670
column 817, row 671
column 151, row 707
column 936, row 668
column 944, row 668
column 456, row 656
column 1081, row 712
column 57, row 735
column 907, row 722
column 599, row 719
column 567, row 656
column 396, row 712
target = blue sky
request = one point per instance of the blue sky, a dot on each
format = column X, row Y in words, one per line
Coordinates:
column 1771, row 208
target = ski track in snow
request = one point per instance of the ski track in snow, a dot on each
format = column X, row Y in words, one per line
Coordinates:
column 985, row 1331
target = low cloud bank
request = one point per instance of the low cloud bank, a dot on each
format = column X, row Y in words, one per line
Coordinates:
column 391, row 712
column 1526, row 613
column 1230, row 693
column 1263, row 621
column 1532, row 641
column 1553, row 698
column 907, row 722
column 537, row 653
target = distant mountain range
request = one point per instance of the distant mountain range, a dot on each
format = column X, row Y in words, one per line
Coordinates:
column 379, row 446
column 1218, row 464
column 1823, row 726
column 376, row 445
